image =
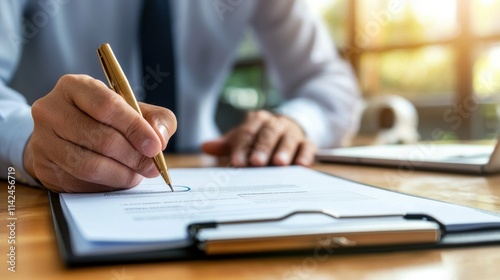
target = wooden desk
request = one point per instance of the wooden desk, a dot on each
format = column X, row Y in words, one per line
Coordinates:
column 38, row 258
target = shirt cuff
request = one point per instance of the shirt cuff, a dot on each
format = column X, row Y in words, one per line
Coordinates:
column 22, row 127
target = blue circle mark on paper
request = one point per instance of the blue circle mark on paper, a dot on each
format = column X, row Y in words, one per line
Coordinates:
column 181, row 188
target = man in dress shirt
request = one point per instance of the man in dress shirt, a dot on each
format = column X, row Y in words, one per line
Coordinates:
column 62, row 127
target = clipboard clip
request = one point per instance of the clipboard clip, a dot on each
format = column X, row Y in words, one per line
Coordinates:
column 228, row 237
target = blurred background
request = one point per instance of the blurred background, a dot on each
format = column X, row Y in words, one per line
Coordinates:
column 441, row 55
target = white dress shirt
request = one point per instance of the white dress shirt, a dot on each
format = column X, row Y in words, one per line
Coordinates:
column 41, row 40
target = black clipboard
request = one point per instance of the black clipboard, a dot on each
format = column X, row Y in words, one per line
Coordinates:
column 197, row 251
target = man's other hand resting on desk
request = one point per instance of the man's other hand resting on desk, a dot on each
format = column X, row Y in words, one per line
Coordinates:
column 262, row 139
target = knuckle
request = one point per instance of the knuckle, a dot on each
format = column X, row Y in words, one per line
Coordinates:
column 67, row 79
column 37, row 110
column 85, row 138
column 134, row 127
column 66, row 83
column 90, row 168
column 142, row 164
column 105, row 106
column 281, row 122
column 266, row 138
column 289, row 143
column 262, row 115
column 96, row 82
column 160, row 115
column 262, row 147
column 107, row 142
column 244, row 140
column 245, row 132
column 40, row 110
column 244, row 145
column 268, row 132
column 75, row 77
column 130, row 179
column 172, row 121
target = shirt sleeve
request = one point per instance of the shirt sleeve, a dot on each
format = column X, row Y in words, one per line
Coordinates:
column 319, row 87
column 16, row 123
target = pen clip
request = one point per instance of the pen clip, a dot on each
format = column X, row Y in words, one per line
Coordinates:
column 105, row 68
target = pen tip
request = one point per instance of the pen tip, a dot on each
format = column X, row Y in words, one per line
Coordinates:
column 168, row 180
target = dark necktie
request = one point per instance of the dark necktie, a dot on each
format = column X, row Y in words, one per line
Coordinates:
column 158, row 57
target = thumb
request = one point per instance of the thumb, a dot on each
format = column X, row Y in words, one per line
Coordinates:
column 217, row 147
column 162, row 120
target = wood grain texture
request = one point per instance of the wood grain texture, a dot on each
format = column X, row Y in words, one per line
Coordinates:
column 38, row 257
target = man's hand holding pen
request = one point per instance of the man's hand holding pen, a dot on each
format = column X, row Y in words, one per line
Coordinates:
column 86, row 138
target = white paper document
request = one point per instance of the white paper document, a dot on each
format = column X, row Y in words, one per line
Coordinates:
column 150, row 216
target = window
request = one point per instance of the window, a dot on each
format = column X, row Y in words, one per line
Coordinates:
column 442, row 55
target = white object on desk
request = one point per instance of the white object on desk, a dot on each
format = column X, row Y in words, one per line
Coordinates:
column 389, row 119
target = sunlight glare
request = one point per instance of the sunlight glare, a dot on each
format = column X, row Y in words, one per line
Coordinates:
column 319, row 5
column 486, row 2
column 441, row 11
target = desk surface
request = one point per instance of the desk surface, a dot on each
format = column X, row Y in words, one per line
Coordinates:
column 38, row 258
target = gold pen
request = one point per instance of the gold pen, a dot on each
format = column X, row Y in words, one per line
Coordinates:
column 119, row 83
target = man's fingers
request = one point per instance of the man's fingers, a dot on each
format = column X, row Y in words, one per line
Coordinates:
column 86, row 165
column 241, row 140
column 61, row 181
column 262, row 139
column 107, row 107
column 162, row 120
column 305, row 155
column 218, row 147
column 266, row 140
column 286, row 150
column 86, row 132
